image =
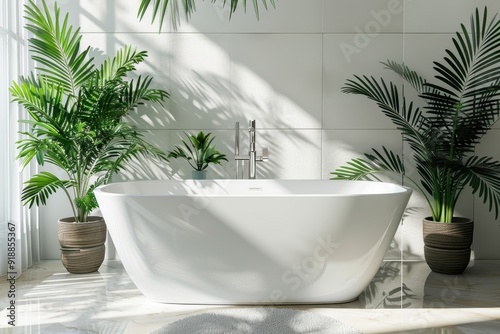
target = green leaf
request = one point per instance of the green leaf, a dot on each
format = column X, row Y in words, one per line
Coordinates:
column 41, row 186
column 160, row 7
column 57, row 47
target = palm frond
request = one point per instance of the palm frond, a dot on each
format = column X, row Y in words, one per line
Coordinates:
column 410, row 76
column 138, row 92
column 483, row 175
column 124, row 61
column 41, row 186
column 360, row 169
column 161, row 7
column 57, row 48
column 389, row 161
column 468, row 81
column 357, row 169
column 408, row 119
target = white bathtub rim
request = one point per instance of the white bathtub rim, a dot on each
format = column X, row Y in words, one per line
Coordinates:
column 392, row 188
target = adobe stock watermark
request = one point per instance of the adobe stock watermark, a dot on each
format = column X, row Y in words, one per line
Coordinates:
column 11, row 273
column 304, row 272
column 365, row 34
column 308, row 270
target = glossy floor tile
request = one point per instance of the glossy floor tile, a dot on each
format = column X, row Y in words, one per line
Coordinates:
column 404, row 297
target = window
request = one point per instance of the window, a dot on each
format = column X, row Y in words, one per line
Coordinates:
column 14, row 62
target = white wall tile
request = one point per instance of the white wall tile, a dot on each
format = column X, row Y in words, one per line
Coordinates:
column 340, row 146
column 107, row 15
column 200, row 69
column 492, row 5
column 422, row 50
column 295, row 16
column 105, row 45
column 347, row 111
column 361, row 16
column 430, row 16
column 293, row 154
column 277, row 79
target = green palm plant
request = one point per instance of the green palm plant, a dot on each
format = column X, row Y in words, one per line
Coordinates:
column 77, row 112
column 199, row 153
column 160, row 7
column 461, row 105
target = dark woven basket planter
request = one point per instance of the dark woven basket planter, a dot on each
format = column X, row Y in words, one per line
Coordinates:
column 82, row 244
column 447, row 261
column 448, row 245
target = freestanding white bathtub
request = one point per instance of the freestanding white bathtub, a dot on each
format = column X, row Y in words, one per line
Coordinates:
column 252, row 241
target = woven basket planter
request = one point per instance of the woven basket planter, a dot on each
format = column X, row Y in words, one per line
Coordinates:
column 82, row 244
column 448, row 245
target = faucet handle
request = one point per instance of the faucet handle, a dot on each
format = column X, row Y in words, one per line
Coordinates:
column 265, row 154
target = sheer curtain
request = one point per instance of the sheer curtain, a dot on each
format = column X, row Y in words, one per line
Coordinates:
column 13, row 216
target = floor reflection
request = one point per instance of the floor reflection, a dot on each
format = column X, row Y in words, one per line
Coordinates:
column 403, row 297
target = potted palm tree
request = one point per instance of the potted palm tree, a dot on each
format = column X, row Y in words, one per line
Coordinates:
column 199, row 153
column 461, row 105
column 77, row 124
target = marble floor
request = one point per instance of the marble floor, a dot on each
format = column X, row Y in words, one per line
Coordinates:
column 404, row 297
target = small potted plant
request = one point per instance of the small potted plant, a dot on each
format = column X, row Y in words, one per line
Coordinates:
column 77, row 124
column 461, row 105
column 199, row 153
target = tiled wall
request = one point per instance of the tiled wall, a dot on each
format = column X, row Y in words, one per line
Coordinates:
column 286, row 72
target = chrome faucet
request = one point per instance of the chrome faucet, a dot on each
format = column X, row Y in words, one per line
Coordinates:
column 252, row 156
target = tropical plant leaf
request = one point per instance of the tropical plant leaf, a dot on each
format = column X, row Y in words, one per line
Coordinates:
column 389, row 161
column 39, row 187
column 467, row 88
column 410, row 76
column 124, row 61
column 483, row 175
column 357, row 169
column 161, row 7
column 409, row 120
column 57, row 47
